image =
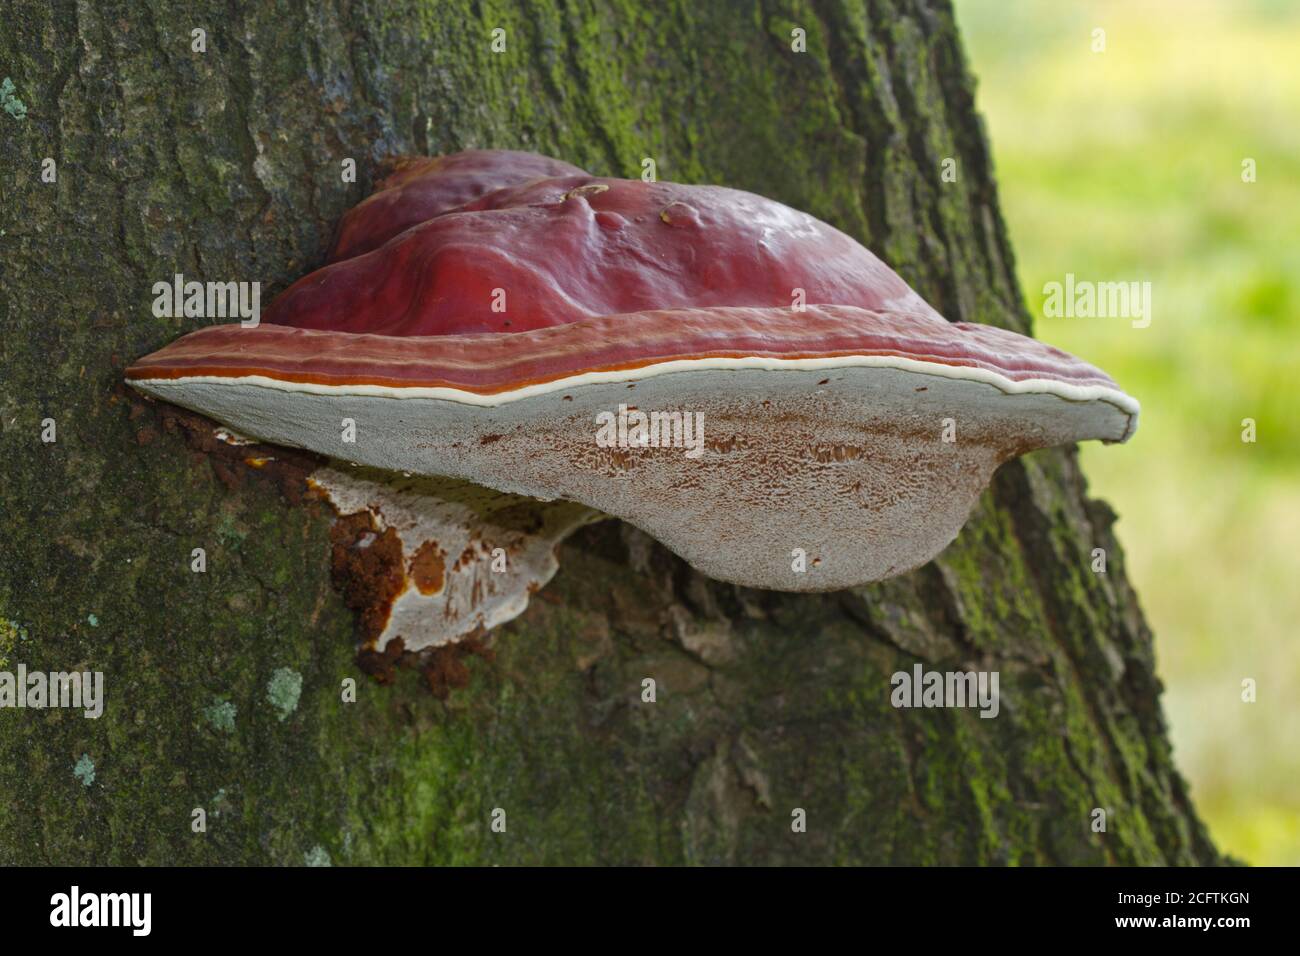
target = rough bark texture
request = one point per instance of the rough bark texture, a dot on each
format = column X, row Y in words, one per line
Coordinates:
column 225, row 165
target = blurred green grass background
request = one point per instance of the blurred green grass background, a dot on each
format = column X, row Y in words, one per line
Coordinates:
column 1127, row 165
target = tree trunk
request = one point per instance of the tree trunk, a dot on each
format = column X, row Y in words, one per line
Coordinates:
column 225, row 164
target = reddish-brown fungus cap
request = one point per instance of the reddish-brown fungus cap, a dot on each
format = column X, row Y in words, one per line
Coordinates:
column 424, row 187
column 577, row 247
column 839, row 416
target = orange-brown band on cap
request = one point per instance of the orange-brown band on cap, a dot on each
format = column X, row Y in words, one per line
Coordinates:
column 490, row 363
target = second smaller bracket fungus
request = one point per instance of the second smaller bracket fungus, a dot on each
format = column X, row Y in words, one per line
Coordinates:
column 434, row 559
column 738, row 379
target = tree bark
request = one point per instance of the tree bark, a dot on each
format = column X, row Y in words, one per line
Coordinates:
column 225, row 164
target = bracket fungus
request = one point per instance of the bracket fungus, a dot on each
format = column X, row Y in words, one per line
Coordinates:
column 540, row 347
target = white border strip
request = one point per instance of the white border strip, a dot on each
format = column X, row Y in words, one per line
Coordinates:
column 1073, row 393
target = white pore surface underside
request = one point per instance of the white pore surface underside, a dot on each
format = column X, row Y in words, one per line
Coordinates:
column 865, row 468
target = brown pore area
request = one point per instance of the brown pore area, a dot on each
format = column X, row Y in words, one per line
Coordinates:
column 367, row 569
column 368, row 578
column 428, row 568
column 443, row 668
